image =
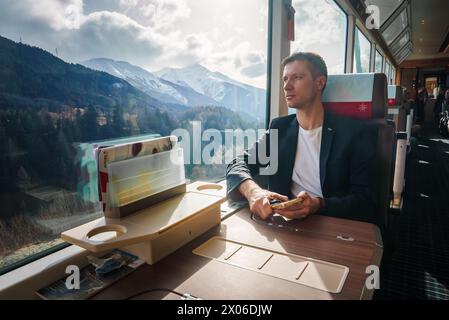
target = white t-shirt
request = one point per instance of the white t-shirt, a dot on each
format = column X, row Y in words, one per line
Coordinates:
column 306, row 171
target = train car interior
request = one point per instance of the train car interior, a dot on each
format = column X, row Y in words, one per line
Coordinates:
column 124, row 126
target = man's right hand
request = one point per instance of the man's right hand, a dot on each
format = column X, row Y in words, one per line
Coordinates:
column 259, row 199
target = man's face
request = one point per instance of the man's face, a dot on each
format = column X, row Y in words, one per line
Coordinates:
column 300, row 89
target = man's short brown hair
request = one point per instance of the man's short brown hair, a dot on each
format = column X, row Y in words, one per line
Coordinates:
column 316, row 63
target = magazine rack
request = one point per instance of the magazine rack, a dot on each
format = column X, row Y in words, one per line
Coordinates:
column 158, row 230
column 155, row 212
column 136, row 183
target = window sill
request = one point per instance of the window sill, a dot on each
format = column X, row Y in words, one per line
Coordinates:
column 22, row 282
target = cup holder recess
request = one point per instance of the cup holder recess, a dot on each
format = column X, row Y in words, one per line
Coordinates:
column 209, row 187
column 106, row 232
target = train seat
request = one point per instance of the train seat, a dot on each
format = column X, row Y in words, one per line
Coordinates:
column 396, row 109
column 364, row 96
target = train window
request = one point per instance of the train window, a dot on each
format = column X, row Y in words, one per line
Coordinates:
column 396, row 27
column 320, row 26
column 362, row 50
column 403, row 53
column 392, row 75
column 378, row 62
column 400, row 42
column 387, row 69
column 386, row 8
column 165, row 64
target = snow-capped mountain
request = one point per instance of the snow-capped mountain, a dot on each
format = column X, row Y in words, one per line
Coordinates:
column 198, row 78
column 226, row 91
column 145, row 81
column 191, row 86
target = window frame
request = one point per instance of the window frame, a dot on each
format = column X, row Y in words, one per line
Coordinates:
column 378, row 53
column 42, row 255
column 357, row 28
column 389, row 42
column 395, row 44
column 387, row 63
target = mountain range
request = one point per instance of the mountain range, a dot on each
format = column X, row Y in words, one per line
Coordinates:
column 33, row 77
column 30, row 76
column 194, row 85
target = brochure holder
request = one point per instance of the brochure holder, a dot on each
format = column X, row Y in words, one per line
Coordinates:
column 152, row 211
column 137, row 183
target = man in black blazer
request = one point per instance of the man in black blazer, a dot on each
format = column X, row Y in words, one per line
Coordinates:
column 325, row 159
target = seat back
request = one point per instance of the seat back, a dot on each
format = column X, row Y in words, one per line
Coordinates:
column 395, row 96
column 364, row 96
column 360, row 95
column 396, row 108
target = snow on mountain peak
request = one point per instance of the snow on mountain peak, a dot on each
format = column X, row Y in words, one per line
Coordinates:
column 138, row 77
column 200, row 79
column 191, row 85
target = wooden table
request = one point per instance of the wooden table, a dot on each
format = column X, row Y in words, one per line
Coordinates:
column 318, row 237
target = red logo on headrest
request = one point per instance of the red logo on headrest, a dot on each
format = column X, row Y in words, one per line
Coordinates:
column 391, row 102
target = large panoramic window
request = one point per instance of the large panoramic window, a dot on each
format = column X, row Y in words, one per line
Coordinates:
column 396, row 27
column 378, row 62
column 400, row 43
column 320, row 26
column 362, row 52
column 387, row 70
column 79, row 74
column 392, row 75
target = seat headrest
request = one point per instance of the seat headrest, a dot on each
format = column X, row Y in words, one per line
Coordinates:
column 357, row 95
column 395, row 96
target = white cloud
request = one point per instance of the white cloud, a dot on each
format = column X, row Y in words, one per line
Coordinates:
column 229, row 20
column 116, row 36
column 124, row 36
column 128, row 3
column 239, row 62
column 317, row 22
column 263, row 11
column 159, row 14
column 335, row 69
column 63, row 14
column 320, row 27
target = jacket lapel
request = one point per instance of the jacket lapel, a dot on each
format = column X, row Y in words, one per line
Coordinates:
column 326, row 144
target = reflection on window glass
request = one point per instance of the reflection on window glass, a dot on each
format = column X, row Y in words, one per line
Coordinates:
column 403, row 53
column 386, row 7
column 83, row 74
column 362, row 50
column 398, row 45
column 378, row 62
column 320, row 26
column 392, row 75
column 387, row 70
column 394, row 29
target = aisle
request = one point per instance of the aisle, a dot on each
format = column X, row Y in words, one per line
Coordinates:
column 419, row 264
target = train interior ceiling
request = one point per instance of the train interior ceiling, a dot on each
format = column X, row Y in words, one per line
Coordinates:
column 409, row 43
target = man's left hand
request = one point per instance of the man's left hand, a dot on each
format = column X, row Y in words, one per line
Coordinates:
column 306, row 207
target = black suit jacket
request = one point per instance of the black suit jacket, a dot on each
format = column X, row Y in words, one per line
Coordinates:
column 347, row 166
